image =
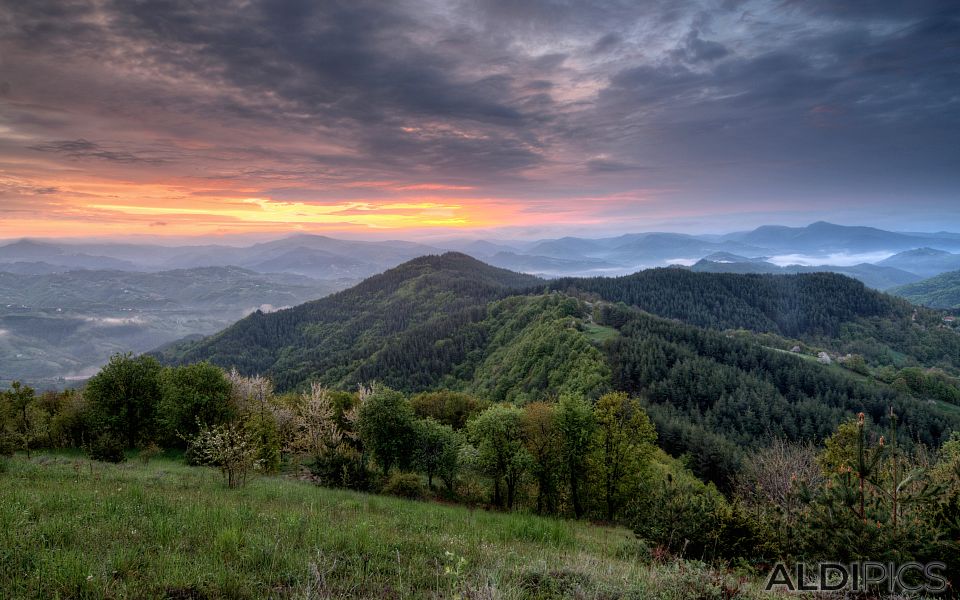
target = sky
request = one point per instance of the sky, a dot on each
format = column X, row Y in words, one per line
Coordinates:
column 404, row 119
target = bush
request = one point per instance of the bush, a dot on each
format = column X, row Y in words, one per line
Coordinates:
column 635, row 548
column 191, row 396
column 436, row 451
column 405, row 485
column 123, row 398
column 8, row 445
column 265, row 433
column 107, row 448
column 69, row 426
column 150, row 452
column 342, row 468
column 385, row 423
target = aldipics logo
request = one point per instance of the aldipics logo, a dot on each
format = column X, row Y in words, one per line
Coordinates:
column 868, row 576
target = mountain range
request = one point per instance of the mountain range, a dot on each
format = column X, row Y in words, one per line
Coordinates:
column 722, row 360
column 322, row 257
column 94, row 298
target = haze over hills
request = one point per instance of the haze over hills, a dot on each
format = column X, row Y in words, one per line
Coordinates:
column 926, row 262
column 324, row 257
column 875, row 276
column 66, row 325
column 86, row 279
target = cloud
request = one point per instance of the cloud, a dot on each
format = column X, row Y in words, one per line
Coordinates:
column 81, row 148
column 721, row 101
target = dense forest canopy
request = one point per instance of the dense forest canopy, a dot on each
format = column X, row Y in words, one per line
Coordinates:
column 708, row 353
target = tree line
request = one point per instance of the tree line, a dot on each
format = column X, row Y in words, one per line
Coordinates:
column 862, row 494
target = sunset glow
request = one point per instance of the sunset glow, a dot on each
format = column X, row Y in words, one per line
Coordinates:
column 593, row 118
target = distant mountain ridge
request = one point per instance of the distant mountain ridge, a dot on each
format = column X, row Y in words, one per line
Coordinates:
column 925, row 261
column 324, row 257
column 826, row 237
column 874, row 276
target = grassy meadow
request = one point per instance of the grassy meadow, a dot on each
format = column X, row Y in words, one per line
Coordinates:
column 72, row 528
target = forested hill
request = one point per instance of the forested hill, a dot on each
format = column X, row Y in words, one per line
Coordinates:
column 333, row 336
column 452, row 322
column 942, row 291
column 809, row 304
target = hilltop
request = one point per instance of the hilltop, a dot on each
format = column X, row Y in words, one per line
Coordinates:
column 450, row 321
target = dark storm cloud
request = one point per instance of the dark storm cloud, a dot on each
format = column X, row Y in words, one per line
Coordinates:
column 495, row 92
column 86, row 149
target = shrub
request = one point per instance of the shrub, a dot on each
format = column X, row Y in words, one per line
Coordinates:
column 123, row 398
column 148, row 453
column 8, row 445
column 405, row 485
column 231, row 447
column 679, row 512
column 386, row 427
column 436, row 452
column 265, row 434
column 107, row 447
column 343, row 467
column 635, row 548
column 69, row 427
column 191, row 396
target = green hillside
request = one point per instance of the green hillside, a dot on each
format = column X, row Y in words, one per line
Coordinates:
column 453, row 322
column 942, row 291
column 824, row 309
column 334, row 339
column 789, row 305
column 70, row 528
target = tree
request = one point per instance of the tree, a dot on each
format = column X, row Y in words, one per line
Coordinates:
column 385, row 423
column 543, row 443
column 123, row 398
column 316, row 430
column 497, row 434
column 320, row 429
column 25, row 419
column 449, row 407
column 191, row 397
column 256, row 405
column 576, row 424
column 232, row 447
column 436, row 451
column 625, row 442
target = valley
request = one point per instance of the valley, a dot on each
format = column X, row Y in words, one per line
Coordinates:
column 65, row 307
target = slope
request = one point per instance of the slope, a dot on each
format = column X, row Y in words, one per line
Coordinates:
column 452, row 322
column 336, row 336
column 874, row 276
column 790, row 305
column 942, row 291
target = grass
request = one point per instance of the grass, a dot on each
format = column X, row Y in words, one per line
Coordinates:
column 71, row 528
column 599, row 333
